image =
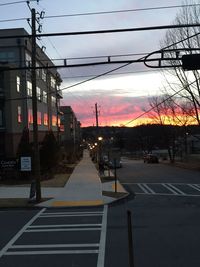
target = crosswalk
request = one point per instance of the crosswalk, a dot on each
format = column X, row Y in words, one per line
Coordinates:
column 176, row 189
column 71, row 233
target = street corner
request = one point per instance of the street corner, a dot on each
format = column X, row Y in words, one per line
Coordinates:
column 77, row 203
column 62, row 203
column 114, row 191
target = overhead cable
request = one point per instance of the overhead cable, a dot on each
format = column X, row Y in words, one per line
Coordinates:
column 120, row 11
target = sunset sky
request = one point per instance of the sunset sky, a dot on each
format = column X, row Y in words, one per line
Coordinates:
column 121, row 95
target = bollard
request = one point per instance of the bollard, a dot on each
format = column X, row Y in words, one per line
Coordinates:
column 115, row 175
column 130, row 239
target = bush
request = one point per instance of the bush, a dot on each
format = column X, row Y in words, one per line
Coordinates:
column 49, row 152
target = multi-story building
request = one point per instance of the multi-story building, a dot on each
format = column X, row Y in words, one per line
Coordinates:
column 70, row 129
column 16, row 91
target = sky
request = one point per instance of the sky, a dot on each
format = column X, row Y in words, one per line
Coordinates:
column 121, row 95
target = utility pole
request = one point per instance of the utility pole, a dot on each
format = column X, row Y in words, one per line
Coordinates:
column 97, row 133
column 36, row 156
column 96, row 113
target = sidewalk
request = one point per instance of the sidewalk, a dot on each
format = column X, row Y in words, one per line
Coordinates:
column 84, row 188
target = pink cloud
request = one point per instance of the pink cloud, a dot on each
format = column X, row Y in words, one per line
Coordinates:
column 113, row 110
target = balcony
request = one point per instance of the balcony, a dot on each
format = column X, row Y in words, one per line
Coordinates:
column 59, row 94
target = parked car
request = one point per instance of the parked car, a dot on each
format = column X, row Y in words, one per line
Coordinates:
column 151, row 158
column 115, row 163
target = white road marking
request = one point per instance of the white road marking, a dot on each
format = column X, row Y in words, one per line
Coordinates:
column 176, row 189
column 23, row 229
column 61, row 230
column 194, row 186
column 170, row 189
column 51, row 252
column 102, row 245
column 149, row 189
column 63, row 225
column 169, row 194
column 197, row 185
column 56, row 246
column 49, row 249
column 71, row 215
column 143, row 188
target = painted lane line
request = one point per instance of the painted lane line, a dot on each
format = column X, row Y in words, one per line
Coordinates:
column 64, row 225
column 176, row 189
column 23, row 229
column 56, row 246
column 197, row 185
column 51, row 252
column 62, row 230
column 169, row 194
column 194, row 187
column 170, row 189
column 143, row 188
column 102, row 245
column 70, row 215
column 149, row 189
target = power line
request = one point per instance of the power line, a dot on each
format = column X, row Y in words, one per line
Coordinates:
column 11, row 20
column 18, row 2
column 95, row 77
column 150, row 28
column 118, row 73
column 146, row 112
column 101, row 12
column 105, row 73
column 119, row 11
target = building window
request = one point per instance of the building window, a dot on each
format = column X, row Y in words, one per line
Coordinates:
column 29, row 88
column 18, row 84
column 45, row 119
column 37, row 70
column 53, row 82
column 30, row 116
column 45, row 97
column 39, row 95
column 19, row 114
column 54, row 120
column 53, row 101
column 39, row 117
column 44, row 75
column 7, row 56
column 28, row 60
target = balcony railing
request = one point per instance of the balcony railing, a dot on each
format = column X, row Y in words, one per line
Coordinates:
column 59, row 94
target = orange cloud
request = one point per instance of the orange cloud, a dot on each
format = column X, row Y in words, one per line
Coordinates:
column 113, row 110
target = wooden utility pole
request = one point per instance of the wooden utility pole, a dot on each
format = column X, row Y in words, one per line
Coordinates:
column 36, row 156
column 96, row 113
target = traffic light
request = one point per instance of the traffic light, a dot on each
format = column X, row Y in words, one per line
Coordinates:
column 191, row 62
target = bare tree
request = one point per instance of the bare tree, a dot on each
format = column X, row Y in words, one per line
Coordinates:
column 166, row 109
column 188, row 82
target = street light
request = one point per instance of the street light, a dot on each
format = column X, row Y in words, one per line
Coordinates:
column 100, row 138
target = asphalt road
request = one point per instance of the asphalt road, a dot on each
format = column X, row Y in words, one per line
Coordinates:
column 165, row 214
column 165, row 211
column 54, row 237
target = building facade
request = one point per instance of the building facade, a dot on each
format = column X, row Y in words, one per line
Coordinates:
column 70, row 130
column 16, row 91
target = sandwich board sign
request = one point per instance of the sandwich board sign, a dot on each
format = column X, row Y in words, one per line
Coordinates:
column 25, row 164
